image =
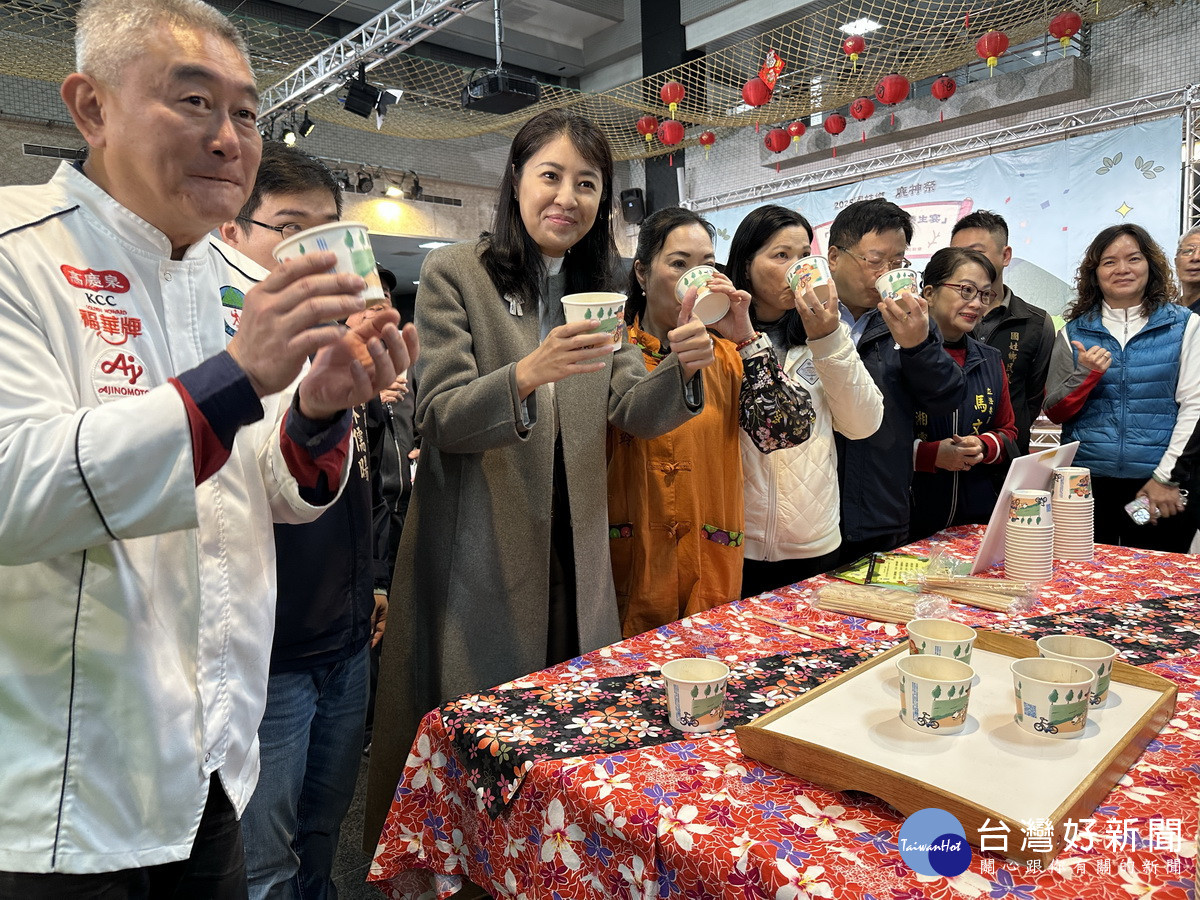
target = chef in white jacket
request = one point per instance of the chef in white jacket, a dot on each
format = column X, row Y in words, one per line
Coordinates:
column 154, row 421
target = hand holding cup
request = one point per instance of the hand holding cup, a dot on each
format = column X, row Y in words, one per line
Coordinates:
column 907, row 318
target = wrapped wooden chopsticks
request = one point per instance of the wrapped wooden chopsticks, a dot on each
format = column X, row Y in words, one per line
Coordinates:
column 996, row 594
column 880, row 604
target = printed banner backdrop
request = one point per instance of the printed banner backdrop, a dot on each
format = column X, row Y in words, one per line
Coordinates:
column 1055, row 198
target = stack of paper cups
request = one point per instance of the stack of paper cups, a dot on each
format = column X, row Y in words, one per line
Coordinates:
column 1071, row 502
column 1029, row 537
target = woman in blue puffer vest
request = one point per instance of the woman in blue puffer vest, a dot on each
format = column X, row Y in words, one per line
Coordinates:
column 1125, row 382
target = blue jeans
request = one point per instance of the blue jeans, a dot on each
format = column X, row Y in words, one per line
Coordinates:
column 310, row 741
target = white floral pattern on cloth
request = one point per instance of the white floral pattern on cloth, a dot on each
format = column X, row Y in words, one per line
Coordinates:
column 773, row 835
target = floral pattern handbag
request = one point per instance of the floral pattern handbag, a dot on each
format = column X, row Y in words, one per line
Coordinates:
column 774, row 411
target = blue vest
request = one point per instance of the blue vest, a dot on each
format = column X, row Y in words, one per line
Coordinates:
column 1126, row 423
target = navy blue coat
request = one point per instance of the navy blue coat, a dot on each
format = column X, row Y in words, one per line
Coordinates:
column 875, row 472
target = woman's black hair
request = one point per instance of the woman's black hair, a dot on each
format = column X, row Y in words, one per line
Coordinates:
column 1160, row 286
column 511, row 256
column 655, row 229
column 942, row 265
column 754, row 232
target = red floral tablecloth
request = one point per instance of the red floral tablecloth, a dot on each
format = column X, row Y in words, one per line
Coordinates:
column 694, row 818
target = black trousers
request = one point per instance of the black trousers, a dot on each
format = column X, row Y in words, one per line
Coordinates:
column 1113, row 525
column 216, row 870
column 759, row 576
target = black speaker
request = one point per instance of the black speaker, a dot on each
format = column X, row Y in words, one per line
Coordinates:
column 633, row 206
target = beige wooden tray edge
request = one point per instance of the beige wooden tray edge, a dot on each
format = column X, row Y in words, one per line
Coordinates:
column 837, row 771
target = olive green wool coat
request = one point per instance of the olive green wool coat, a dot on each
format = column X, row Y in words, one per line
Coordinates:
column 469, row 597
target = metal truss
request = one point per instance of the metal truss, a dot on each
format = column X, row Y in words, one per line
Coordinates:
column 392, row 31
column 1153, row 106
column 1191, row 160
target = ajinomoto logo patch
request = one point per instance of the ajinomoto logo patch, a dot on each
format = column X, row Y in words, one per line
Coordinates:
column 119, row 373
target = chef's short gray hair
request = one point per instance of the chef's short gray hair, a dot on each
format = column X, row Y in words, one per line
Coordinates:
column 111, row 33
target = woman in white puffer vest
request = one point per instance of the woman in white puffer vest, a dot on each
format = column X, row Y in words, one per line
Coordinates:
column 792, row 497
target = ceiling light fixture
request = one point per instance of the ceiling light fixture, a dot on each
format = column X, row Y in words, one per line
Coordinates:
column 366, row 183
column 361, row 95
column 289, row 133
column 860, row 26
column 306, row 125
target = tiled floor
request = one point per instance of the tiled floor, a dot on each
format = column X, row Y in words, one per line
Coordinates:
column 351, row 864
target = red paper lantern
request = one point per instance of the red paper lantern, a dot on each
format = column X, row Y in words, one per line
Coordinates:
column 777, row 140
column 1065, row 26
column 862, row 109
column 891, row 90
column 943, row 88
column 646, row 127
column 755, row 92
column 796, row 130
column 672, row 93
column 707, row 139
column 990, row 47
column 835, row 125
column 670, row 132
column 852, row 46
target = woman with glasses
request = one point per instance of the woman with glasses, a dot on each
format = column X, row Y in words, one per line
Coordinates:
column 792, row 499
column 1125, row 382
column 951, row 485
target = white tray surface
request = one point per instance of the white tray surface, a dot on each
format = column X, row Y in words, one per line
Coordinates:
column 992, row 762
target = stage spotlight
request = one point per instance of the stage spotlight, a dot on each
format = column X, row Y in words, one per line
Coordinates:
column 306, row 125
column 289, row 135
column 361, row 96
column 366, row 183
column 413, row 189
column 342, row 177
column 393, row 190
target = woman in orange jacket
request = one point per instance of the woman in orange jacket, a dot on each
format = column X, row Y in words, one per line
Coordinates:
column 676, row 508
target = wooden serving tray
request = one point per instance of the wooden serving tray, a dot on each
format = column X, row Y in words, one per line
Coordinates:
column 847, row 735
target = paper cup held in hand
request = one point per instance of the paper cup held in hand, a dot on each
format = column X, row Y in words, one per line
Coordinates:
column 1095, row 656
column 695, row 693
column 890, row 284
column 352, row 244
column 1052, row 696
column 601, row 306
column 941, row 637
column 813, row 272
column 934, row 693
column 711, row 306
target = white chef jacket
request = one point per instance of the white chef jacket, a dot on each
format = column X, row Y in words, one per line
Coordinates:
column 136, row 608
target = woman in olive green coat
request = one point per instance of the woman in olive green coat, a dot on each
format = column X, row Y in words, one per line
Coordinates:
column 503, row 566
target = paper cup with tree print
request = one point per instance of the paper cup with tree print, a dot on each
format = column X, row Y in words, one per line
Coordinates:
column 695, row 693
column 351, row 243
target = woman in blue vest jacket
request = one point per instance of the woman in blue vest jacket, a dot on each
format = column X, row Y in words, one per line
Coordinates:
column 952, row 484
column 1125, row 382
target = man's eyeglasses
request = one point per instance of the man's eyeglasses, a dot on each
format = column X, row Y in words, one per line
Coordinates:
column 285, row 231
column 969, row 292
column 1187, row 252
column 878, row 263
